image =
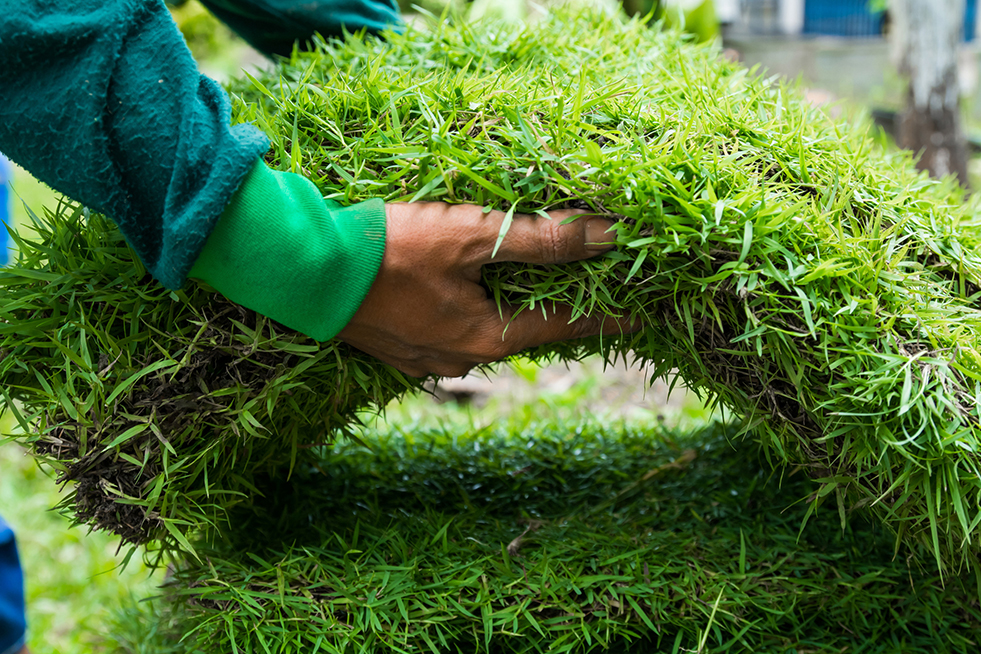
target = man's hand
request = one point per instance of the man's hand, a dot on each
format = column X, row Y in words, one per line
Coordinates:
column 427, row 312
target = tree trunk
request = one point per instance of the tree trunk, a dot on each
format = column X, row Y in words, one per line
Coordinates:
column 926, row 36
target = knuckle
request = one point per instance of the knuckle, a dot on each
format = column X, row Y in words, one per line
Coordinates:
column 553, row 245
column 585, row 327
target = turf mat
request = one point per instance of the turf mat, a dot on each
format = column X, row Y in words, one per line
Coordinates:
column 817, row 286
column 561, row 539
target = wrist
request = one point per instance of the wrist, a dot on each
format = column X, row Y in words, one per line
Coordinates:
column 282, row 251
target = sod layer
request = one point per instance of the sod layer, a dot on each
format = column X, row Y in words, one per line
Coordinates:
column 568, row 538
column 817, row 286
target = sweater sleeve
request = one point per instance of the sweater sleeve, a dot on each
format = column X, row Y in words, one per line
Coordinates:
column 273, row 26
column 325, row 256
column 103, row 101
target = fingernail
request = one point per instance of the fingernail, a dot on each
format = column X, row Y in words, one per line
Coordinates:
column 598, row 236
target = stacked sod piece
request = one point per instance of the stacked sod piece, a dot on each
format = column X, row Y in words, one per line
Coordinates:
column 818, row 287
column 558, row 538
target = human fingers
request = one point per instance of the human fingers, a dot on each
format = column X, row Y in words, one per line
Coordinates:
column 530, row 328
column 492, row 338
column 535, row 239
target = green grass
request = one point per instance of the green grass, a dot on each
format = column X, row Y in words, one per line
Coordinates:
column 76, row 585
column 534, row 537
column 820, row 289
column 81, row 601
column 710, row 522
column 74, row 582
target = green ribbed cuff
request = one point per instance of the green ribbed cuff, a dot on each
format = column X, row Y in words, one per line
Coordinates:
column 281, row 250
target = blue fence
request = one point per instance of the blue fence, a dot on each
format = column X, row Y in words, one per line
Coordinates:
column 841, row 18
column 854, row 18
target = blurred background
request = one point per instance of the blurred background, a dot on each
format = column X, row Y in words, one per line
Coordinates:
column 911, row 66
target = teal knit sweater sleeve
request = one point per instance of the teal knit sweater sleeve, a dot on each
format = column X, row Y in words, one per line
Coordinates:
column 103, row 101
column 273, row 26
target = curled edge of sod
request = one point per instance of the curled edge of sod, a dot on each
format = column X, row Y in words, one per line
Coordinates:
column 159, row 407
column 789, row 269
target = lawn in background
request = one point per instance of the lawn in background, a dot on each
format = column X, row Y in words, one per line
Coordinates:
column 28, row 193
